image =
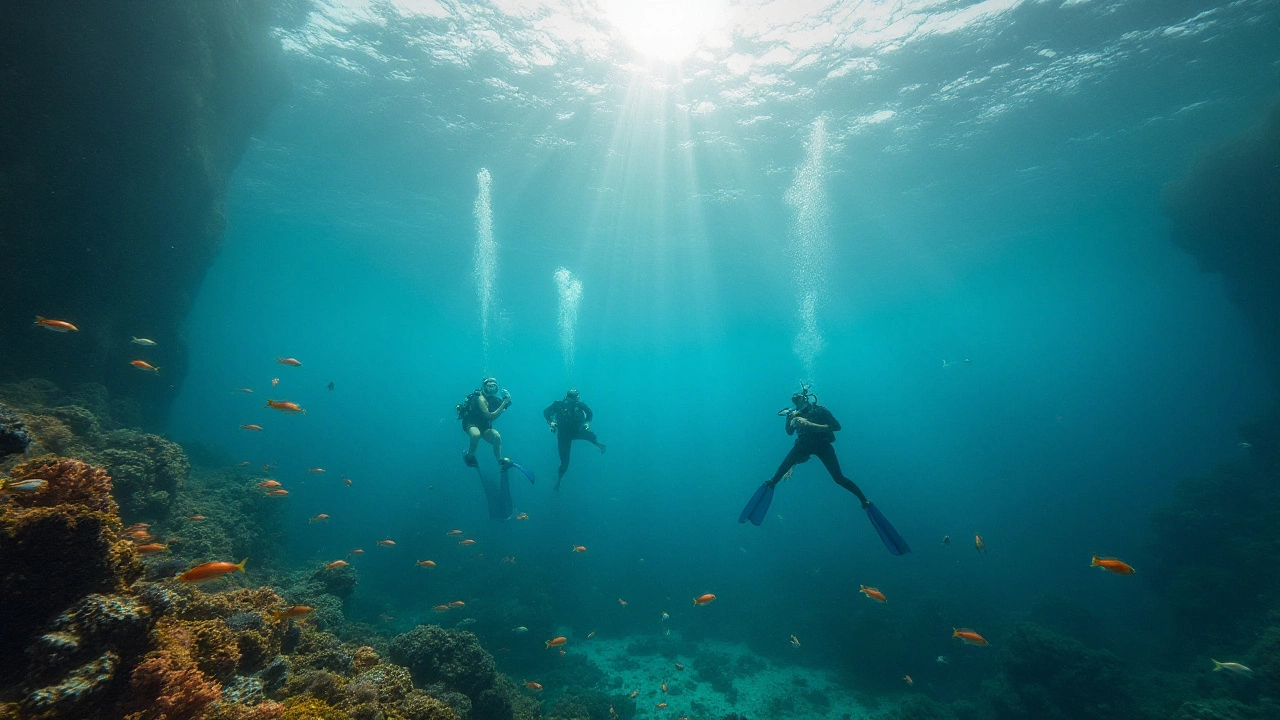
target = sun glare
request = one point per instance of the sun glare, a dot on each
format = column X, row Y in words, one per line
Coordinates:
column 666, row 30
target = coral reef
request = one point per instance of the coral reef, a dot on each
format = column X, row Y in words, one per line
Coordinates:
column 454, row 659
column 14, row 438
column 1047, row 675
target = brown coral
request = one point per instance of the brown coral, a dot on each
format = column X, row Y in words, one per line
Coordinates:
column 364, row 658
column 168, row 686
column 210, row 644
column 71, row 482
column 309, row 708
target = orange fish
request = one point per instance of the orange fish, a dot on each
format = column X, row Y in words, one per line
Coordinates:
column 196, row 518
column 278, row 492
column 140, row 534
column 288, row 361
column 873, row 593
column 622, row 602
column 254, row 428
column 386, row 543
column 457, row 604
column 269, row 484
column 56, row 325
column 661, row 706
column 295, row 611
column 704, row 599
column 522, row 516
column 151, row 548
column 426, row 563
column 144, row 365
column 337, row 564
column 467, row 542
column 533, row 686
column 275, row 382
column 977, row 543
column 285, row 406
column 909, row 681
column 968, row 636
column 634, row 693
column 441, row 608
column 211, row 571
column 357, row 551
column 245, row 390
column 557, row 641
column 316, row 471
column 319, row 518
column 1112, row 565
column 579, row 548
column 454, row 532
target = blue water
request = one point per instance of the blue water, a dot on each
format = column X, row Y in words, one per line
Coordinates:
column 1005, row 217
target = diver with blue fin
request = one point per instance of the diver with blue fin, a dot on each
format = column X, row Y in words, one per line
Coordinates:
column 816, row 429
column 477, row 413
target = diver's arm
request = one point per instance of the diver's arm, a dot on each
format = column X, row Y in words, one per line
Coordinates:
column 586, row 410
column 549, row 412
column 484, row 408
column 791, row 425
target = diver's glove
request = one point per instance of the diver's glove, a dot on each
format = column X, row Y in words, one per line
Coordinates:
column 506, row 397
column 553, row 427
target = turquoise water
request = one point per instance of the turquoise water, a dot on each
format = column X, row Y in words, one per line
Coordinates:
column 946, row 216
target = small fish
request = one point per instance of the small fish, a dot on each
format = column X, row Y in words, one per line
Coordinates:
column 591, row 634
column 704, row 599
column 523, row 516
column 427, row 563
column 467, row 542
column 1112, row 565
column 536, row 687
column 1245, row 445
column 337, row 564
column 269, row 484
column 197, row 518
column 330, row 384
column 357, row 551
column 561, row 652
column 56, row 325
column 665, row 617
column 288, row 361
column 211, row 571
column 140, row 534
column 254, row 428
column 942, row 659
column 454, row 532
column 968, row 636
column 245, row 390
column 316, row 471
column 908, row 680
column 284, row 406
column 977, row 543
column 1231, row 667
column 622, row 602
column 468, row 621
column 151, row 548
column 387, row 543
column 143, row 342
column 144, row 365
column 634, row 693
column 872, row 593
column 510, row 559
column 664, row 687
column 244, row 464
column 557, row 641
column 661, row 706
column 457, row 604
column 295, row 611
column 520, row 630
column 441, row 608
column 579, row 548
column 346, row 480
column 275, row 382
column 678, row 665
column 319, row 518
column 946, row 539
column 30, row 485
column 278, row 492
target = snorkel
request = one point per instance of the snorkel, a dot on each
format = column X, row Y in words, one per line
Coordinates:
column 802, row 400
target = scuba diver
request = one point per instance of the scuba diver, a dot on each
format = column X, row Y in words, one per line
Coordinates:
column 570, row 419
column 816, row 430
column 477, row 414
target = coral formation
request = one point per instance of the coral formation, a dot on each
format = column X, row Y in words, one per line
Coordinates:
column 1047, row 675
column 454, row 659
column 14, row 438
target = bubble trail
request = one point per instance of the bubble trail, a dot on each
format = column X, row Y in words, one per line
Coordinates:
column 570, row 289
column 809, row 245
column 486, row 255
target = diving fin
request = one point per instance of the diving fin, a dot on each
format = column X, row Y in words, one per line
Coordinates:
column 890, row 537
column 758, row 506
column 510, row 464
column 505, row 510
column 470, row 460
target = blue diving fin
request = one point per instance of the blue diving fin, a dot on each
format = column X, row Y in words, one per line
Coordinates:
column 758, row 506
column 890, row 537
column 526, row 471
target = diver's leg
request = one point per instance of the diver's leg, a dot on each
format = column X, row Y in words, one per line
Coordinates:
column 797, row 455
column 494, row 438
column 564, row 442
column 827, row 454
column 590, row 437
column 473, row 439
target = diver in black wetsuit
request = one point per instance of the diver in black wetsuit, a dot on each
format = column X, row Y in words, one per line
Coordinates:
column 817, row 428
column 570, row 419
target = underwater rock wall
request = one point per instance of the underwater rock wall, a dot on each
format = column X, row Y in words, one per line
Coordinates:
column 123, row 122
column 1226, row 212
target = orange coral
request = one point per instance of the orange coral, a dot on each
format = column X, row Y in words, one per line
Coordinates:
column 167, row 686
column 71, row 482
